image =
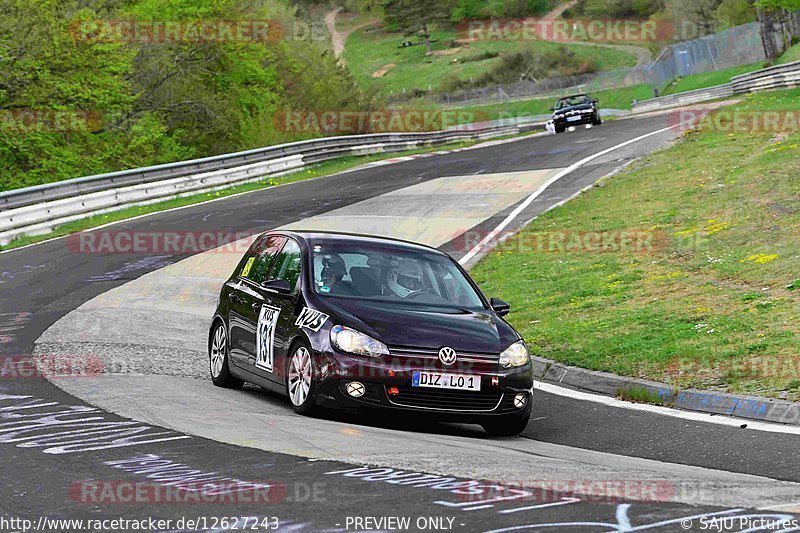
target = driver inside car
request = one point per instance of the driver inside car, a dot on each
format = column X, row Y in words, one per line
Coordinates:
column 334, row 270
column 405, row 279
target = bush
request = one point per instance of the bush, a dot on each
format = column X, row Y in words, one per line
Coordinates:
column 527, row 64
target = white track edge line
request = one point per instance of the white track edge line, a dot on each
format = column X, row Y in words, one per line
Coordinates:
column 722, row 420
column 569, row 170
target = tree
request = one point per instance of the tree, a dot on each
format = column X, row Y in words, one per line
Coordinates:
column 696, row 17
column 417, row 16
column 732, row 13
column 778, row 15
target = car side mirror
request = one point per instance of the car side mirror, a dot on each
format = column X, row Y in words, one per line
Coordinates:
column 595, row 101
column 279, row 286
column 552, row 109
column 500, row 307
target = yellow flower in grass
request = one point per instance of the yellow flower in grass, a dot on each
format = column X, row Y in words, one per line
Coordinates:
column 761, row 259
column 714, row 226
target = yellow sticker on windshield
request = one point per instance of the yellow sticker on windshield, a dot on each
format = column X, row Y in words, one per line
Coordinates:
column 248, row 266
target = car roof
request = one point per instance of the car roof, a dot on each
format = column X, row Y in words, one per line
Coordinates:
column 573, row 96
column 318, row 236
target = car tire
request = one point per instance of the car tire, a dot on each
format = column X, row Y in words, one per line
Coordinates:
column 560, row 129
column 597, row 120
column 218, row 360
column 506, row 426
column 301, row 382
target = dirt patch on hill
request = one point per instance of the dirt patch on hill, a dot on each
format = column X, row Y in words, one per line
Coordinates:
column 381, row 72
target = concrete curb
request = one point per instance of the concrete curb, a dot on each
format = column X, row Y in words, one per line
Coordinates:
column 717, row 403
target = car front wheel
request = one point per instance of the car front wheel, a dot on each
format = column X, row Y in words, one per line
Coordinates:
column 300, row 381
column 506, row 426
column 218, row 359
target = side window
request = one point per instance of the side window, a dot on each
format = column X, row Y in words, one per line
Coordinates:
column 257, row 266
column 287, row 264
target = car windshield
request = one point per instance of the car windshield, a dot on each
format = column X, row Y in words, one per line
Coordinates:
column 573, row 100
column 391, row 274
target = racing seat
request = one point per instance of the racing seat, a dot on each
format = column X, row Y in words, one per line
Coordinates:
column 365, row 281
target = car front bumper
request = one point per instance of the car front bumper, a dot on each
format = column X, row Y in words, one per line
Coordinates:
column 387, row 385
column 586, row 118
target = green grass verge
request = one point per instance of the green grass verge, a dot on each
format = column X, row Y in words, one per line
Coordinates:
column 321, row 169
column 368, row 51
column 790, row 55
column 639, row 395
column 712, row 303
column 708, row 79
column 611, row 99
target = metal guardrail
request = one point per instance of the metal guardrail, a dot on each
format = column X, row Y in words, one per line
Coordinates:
column 38, row 209
column 777, row 77
column 684, row 98
column 780, row 76
column 68, row 188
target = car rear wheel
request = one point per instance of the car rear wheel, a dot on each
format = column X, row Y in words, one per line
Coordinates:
column 300, row 382
column 218, row 359
column 506, row 426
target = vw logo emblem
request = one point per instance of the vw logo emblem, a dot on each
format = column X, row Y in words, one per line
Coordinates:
column 447, row 356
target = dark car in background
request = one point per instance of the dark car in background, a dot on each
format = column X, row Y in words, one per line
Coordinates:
column 346, row 321
column 576, row 110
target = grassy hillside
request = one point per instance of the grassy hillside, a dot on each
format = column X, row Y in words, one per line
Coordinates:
column 368, row 50
column 712, row 302
column 792, row 54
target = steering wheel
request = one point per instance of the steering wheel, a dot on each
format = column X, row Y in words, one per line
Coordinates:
column 418, row 293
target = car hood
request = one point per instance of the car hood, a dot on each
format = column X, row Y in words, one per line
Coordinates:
column 565, row 110
column 422, row 326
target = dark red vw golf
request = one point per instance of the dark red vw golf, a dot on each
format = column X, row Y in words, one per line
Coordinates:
column 349, row 321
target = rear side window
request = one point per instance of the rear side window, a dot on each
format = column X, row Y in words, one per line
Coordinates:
column 257, row 265
column 287, row 264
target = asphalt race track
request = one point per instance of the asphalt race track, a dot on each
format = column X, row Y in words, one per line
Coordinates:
column 64, row 454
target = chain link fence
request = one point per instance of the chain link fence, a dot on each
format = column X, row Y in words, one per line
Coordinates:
column 737, row 46
column 741, row 45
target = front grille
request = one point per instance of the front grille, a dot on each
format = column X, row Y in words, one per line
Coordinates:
column 429, row 358
column 449, row 400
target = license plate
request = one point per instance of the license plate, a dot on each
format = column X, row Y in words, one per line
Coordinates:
column 435, row 380
column 573, row 119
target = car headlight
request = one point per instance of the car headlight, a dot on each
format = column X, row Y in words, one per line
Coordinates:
column 558, row 116
column 515, row 355
column 352, row 341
